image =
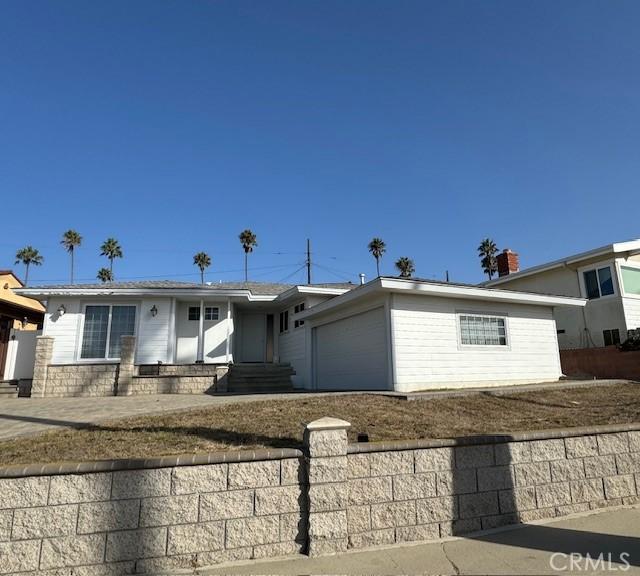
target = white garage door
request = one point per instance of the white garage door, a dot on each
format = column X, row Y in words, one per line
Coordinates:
column 351, row 354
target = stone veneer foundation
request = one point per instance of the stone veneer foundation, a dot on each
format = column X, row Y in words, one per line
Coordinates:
column 120, row 378
column 146, row 516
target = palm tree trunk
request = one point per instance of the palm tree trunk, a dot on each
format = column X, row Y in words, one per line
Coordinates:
column 71, row 265
column 378, row 266
column 111, row 267
column 201, row 276
column 246, row 273
column 26, row 274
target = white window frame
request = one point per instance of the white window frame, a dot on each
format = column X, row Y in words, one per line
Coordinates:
column 216, row 308
column 105, row 359
column 595, row 267
column 288, row 315
column 484, row 314
column 626, row 264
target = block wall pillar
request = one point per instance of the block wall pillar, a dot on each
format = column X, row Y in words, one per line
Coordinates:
column 127, row 366
column 326, row 451
column 43, row 355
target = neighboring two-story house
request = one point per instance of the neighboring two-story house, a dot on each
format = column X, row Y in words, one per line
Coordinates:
column 608, row 277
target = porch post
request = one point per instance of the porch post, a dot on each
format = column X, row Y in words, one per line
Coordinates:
column 228, row 342
column 200, row 355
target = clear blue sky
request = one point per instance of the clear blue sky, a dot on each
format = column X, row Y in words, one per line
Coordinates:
column 173, row 125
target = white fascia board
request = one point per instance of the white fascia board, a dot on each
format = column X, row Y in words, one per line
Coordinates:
column 342, row 299
column 70, row 292
column 617, row 248
column 476, row 293
column 300, row 290
column 442, row 290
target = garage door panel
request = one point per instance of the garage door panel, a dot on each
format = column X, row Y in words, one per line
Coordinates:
column 351, row 354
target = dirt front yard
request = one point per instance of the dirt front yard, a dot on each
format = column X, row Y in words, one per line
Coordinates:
column 279, row 423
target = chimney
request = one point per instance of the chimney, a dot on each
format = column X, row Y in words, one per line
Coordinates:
column 508, row 262
column 362, row 278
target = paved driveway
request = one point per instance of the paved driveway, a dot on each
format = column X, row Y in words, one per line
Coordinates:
column 610, row 538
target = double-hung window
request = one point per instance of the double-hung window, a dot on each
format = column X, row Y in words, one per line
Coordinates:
column 598, row 282
column 103, row 326
column 476, row 330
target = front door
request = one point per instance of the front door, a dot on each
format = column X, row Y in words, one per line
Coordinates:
column 253, row 336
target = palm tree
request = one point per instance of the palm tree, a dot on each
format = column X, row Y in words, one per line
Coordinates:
column 202, row 260
column 70, row 240
column 104, row 275
column 405, row 266
column 28, row 256
column 377, row 247
column 249, row 242
column 111, row 249
column 487, row 252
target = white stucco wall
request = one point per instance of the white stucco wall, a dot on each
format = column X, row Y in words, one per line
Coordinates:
column 21, row 354
column 428, row 353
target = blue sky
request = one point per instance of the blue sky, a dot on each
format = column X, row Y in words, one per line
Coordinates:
column 174, row 125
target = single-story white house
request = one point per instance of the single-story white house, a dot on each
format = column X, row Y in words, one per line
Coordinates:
column 388, row 334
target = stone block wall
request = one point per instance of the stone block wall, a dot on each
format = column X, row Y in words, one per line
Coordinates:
column 80, row 380
column 150, row 516
column 404, row 492
column 151, row 519
column 120, row 378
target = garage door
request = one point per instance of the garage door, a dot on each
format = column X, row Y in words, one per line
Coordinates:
column 351, row 354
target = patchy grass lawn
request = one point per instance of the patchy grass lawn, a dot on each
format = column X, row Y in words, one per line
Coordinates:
column 279, row 423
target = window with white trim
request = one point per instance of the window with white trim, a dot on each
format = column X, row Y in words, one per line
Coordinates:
column 194, row 313
column 103, row 326
column 298, row 308
column 476, row 330
column 284, row 321
column 598, row 282
column 631, row 280
column 211, row 313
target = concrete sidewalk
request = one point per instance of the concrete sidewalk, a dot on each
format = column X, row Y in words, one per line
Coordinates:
column 530, row 549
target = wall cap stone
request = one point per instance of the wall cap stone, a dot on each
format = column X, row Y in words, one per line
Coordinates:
column 327, row 423
column 366, row 447
column 63, row 468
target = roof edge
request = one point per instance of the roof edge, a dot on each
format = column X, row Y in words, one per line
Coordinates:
column 615, row 248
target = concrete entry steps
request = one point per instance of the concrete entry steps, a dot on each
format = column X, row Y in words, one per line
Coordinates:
column 8, row 389
column 259, row 378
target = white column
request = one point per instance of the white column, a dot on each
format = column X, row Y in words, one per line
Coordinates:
column 200, row 356
column 228, row 342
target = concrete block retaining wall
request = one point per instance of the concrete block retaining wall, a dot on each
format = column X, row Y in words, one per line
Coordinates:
column 174, row 513
column 129, row 517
